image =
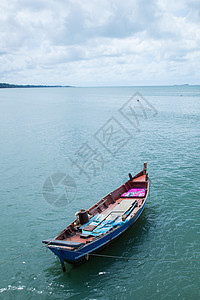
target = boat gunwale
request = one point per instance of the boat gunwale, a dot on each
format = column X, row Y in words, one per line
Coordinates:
column 75, row 255
column 127, row 225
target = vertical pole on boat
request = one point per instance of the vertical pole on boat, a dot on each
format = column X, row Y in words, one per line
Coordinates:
column 145, row 167
column 62, row 265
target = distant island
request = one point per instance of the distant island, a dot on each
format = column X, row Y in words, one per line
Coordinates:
column 7, row 85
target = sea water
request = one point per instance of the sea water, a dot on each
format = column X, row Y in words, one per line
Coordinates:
column 62, row 149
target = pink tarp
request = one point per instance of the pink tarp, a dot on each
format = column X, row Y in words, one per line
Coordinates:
column 134, row 193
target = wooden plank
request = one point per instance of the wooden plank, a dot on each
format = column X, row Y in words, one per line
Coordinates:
column 124, row 205
column 141, row 178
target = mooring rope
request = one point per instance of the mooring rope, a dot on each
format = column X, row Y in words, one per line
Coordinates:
column 25, row 253
column 20, row 255
column 87, row 255
column 144, row 259
column 171, row 186
column 115, row 256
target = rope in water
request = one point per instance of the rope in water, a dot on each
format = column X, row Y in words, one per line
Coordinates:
column 25, row 253
column 145, row 259
column 175, row 188
column 111, row 256
column 20, row 255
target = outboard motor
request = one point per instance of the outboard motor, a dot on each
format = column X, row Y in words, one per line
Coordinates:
column 82, row 216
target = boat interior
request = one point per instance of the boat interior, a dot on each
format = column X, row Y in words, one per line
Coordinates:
column 109, row 213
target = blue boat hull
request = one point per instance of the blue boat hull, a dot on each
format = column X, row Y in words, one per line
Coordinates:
column 79, row 255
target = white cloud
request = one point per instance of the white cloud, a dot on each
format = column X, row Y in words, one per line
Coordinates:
column 107, row 42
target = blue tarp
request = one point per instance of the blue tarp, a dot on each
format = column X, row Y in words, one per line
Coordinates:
column 103, row 227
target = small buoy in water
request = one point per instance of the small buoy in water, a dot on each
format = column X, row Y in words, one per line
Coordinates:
column 138, row 100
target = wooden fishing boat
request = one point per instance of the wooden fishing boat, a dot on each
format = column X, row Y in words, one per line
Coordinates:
column 103, row 222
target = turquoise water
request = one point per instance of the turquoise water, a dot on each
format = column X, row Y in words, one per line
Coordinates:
column 42, row 131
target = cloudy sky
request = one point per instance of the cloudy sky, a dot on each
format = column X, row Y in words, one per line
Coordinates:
column 100, row 42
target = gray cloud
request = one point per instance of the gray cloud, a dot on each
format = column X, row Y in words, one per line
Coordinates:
column 108, row 41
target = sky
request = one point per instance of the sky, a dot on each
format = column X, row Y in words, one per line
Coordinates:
column 100, row 42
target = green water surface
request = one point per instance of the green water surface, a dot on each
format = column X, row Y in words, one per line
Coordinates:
column 42, row 131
